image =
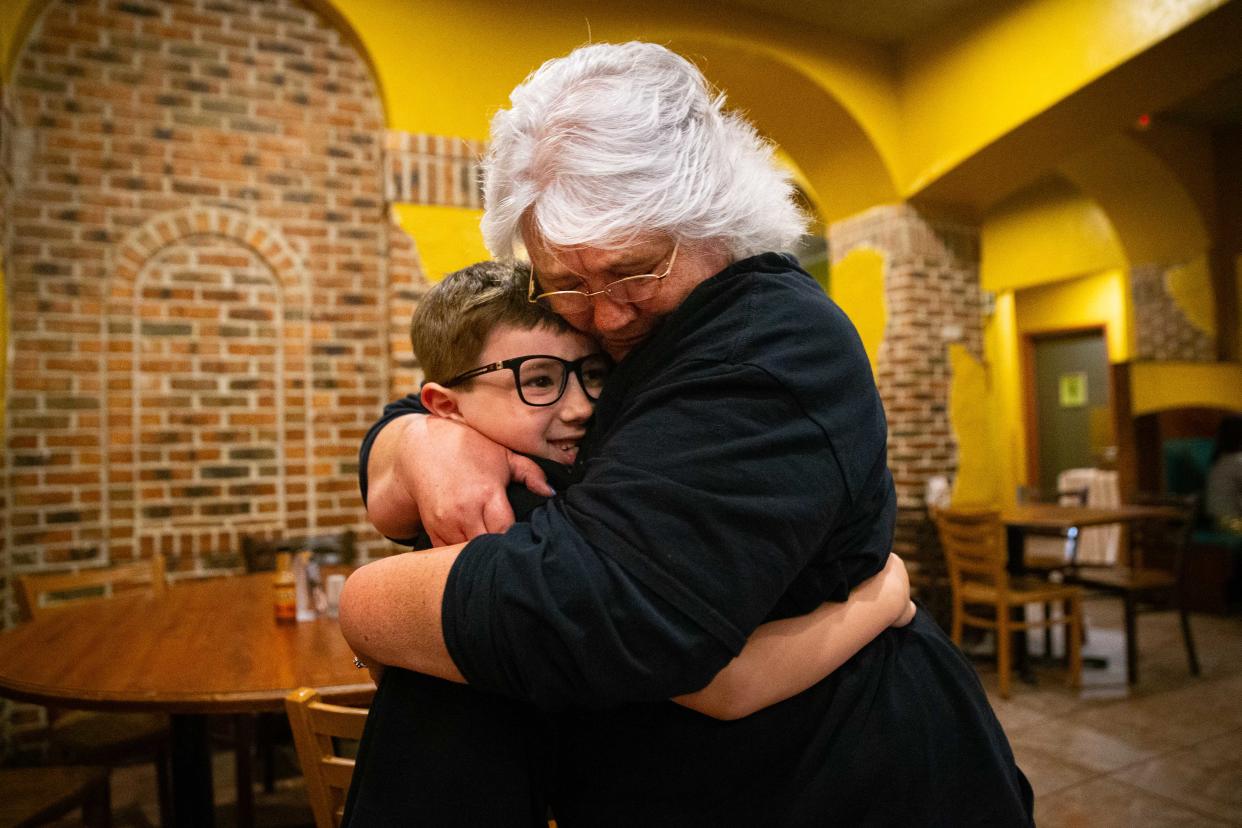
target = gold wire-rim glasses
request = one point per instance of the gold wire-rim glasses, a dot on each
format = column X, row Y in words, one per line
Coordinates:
column 581, row 300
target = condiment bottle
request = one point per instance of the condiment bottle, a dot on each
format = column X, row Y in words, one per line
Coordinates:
column 304, row 570
column 285, row 588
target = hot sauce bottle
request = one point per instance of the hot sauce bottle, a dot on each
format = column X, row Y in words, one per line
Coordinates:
column 285, row 588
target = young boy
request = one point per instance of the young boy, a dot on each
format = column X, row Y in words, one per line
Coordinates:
column 443, row 753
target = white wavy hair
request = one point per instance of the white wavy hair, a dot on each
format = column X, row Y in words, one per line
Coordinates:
column 617, row 140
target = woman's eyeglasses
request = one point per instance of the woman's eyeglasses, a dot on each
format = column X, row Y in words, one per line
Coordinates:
column 541, row 379
column 630, row 289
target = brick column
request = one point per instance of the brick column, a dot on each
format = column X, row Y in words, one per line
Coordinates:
column 931, row 286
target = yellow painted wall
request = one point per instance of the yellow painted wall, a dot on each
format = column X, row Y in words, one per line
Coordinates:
column 830, row 103
column 1099, row 299
column 969, row 411
column 1159, row 386
column 857, row 285
column 1152, row 211
column 15, row 19
column 447, row 238
column 1044, row 233
column 1005, row 401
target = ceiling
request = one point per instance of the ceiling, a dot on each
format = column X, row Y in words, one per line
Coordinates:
column 885, row 22
column 895, row 23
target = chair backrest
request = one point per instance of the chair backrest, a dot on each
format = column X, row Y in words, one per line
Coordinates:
column 259, row 554
column 974, row 547
column 1160, row 543
column 44, row 592
column 317, row 726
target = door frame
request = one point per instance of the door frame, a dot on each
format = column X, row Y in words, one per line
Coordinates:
column 1030, row 410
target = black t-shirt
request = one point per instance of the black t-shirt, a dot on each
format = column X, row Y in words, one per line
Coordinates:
column 735, row 472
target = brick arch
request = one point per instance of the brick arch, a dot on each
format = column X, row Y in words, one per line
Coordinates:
column 164, row 229
column 209, row 339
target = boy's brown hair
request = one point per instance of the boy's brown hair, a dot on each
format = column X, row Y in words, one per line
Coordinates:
column 454, row 319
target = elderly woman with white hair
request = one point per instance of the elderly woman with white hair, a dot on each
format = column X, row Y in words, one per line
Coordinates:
column 735, row 472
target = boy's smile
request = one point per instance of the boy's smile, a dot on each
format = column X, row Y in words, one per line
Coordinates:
column 490, row 403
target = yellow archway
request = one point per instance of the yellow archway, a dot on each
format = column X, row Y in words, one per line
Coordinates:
column 840, row 165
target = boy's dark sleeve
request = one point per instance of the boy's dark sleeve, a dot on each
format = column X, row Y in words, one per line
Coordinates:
column 409, row 404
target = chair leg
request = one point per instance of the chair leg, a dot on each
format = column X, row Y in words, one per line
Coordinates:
column 97, row 806
column 956, row 632
column 1048, row 630
column 1073, row 640
column 1191, row 656
column 1003, row 647
column 1130, row 610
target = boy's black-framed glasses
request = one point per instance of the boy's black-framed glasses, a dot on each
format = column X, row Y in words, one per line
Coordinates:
column 630, row 289
column 541, row 379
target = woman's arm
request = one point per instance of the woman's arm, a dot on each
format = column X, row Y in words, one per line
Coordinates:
column 783, row 658
column 438, row 474
column 390, row 612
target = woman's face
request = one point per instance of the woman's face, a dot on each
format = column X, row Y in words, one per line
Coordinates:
column 619, row 326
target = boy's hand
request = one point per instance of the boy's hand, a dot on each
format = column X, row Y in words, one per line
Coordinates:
column 907, row 616
column 897, row 582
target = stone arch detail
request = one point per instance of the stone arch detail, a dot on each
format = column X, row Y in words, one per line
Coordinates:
column 165, row 229
column 208, row 332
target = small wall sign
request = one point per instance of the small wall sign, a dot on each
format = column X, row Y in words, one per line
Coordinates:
column 1072, row 389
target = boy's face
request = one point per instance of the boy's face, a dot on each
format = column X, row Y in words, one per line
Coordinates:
column 490, row 403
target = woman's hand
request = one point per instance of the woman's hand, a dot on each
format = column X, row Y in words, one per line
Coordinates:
column 444, row 477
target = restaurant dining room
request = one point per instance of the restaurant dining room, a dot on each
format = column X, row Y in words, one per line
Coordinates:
column 218, row 217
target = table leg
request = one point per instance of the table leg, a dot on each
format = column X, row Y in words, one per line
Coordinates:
column 1015, row 543
column 243, row 735
column 193, row 803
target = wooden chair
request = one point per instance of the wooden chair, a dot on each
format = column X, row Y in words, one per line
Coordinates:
column 1153, row 573
column 259, row 555
column 41, row 593
column 974, row 550
column 37, row 796
column 87, row 737
column 316, row 727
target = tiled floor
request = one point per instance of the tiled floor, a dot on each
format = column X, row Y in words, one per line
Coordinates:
column 1167, row 752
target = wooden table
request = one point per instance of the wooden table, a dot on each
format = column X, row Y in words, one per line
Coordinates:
column 205, row 647
column 1046, row 517
column 1051, row 516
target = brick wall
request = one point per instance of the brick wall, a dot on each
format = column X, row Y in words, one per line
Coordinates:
column 433, row 169
column 931, row 285
column 198, row 276
column 6, row 584
column 1161, row 329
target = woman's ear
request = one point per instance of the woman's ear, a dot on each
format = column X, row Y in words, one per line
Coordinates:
column 440, row 401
